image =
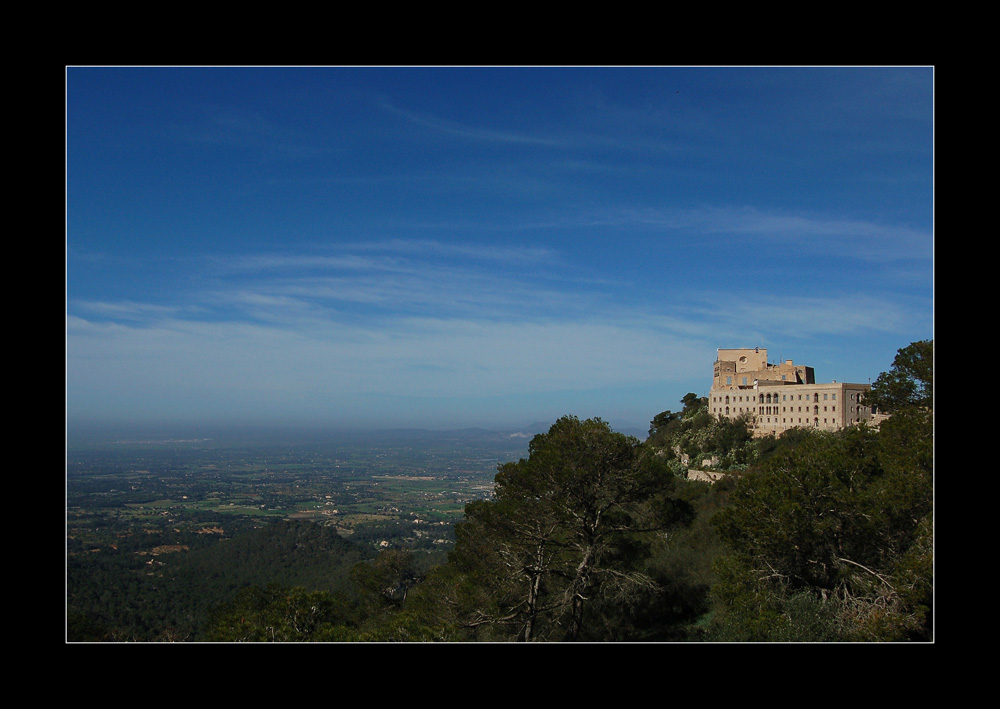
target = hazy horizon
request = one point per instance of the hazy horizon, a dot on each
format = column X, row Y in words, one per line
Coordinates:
column 188, row 429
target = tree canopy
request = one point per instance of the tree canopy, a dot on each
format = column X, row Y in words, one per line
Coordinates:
column 562, row 534
column 910, row 382
column 831, row 537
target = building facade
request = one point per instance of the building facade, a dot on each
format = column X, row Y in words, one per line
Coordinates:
column 777, row 397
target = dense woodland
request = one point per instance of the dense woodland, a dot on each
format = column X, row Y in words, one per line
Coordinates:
column 596, row 536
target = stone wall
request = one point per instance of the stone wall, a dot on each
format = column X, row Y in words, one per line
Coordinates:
column 704, row 475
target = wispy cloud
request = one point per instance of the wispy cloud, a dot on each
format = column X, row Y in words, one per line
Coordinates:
column 285, row 262
column 126, row 310
column 211, row 127
column 236, row 365
column 484, row 252
column 861, row 239
column 459, row 130
column 793, row 317
column 286, row 344
column 808, row 233
column 400, row 278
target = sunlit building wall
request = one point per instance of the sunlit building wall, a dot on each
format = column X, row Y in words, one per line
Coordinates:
column 777, row 397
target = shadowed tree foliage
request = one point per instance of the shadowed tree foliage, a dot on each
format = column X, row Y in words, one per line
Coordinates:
column 562, row 543
column 282, row 614
column 831, row 538
column 379, row 609
column 665, row 421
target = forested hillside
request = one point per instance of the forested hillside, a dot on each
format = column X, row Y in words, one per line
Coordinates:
column 170, row 597
column 597, row 536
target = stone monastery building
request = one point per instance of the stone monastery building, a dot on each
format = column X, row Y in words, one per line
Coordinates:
column 781, row 396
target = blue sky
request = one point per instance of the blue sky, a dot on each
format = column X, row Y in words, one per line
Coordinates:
column 448, row 247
